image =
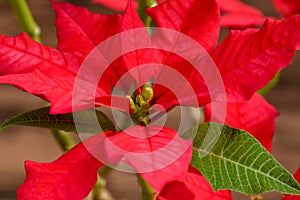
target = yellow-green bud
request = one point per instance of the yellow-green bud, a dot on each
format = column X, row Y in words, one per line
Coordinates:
column 147, row 92
column 139, row 99
column 145, row 106
column 143, row 119
column 132, row 104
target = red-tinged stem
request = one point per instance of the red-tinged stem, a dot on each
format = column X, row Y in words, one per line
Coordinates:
column 26, row 19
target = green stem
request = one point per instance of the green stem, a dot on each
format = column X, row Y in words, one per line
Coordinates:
column 26, row 19
column 102, row 174
column 264, row 91
column 104, row 171
column 97, row 189
column 63, row 139
column 148, row 192
column 142, row 6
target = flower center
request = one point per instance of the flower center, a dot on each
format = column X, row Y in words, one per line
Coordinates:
column 141, row 105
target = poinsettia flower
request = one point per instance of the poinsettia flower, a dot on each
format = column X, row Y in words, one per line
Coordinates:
column 236, row 14
column 255, row 116
column 191, row 185
column 293, row 197
column 51, row 73
column 287, row 7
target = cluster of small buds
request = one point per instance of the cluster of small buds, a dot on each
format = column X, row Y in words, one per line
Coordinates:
column 141, row 105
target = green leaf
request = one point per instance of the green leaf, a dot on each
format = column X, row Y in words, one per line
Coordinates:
column 265, row 90
column 90, row 121
column 233, row 159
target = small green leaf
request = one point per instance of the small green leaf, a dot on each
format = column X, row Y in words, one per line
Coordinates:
column 90, row 121
column 235, row 160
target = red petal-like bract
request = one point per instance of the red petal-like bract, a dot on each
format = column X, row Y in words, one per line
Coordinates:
column 191, row 185
column 287, row 7
column 78, row 30
column 241, row 20
column 157, row 153
column 38, row 69
column 49, row 73
column 21, row 54
column 135, row 58
column 236, row 14
column 71, row 176
column 293, row 197
column 118, row 5
column 249, row 59
column 256, row 116
column 239, row 15
column 198, row 19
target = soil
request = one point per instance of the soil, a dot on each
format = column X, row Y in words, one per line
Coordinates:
column 18, row 144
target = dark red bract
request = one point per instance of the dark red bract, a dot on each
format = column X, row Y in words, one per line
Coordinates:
column 287, row 7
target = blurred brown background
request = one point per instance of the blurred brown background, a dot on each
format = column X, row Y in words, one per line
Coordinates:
column 19, row 143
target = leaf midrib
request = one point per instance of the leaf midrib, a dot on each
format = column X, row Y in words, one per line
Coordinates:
column 242, row 165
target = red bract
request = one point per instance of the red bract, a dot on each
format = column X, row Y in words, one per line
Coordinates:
column 71, row 176
column 157, row 153
column 248, row 59
column 50, row 73
column 204, row 31
column 293, row 197
column 235, row 13
column 154, row 154
column 287, row 7
column 256, row 116
column 239, row 15
column 191, row 185
column 119, row 5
